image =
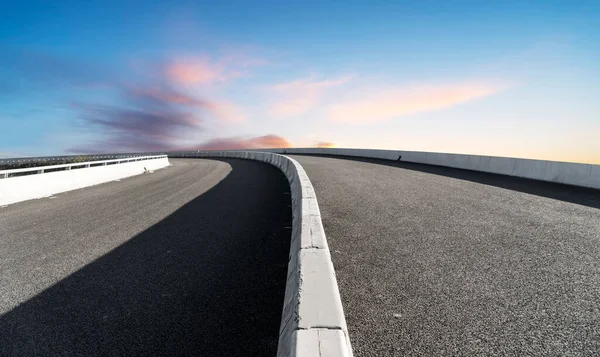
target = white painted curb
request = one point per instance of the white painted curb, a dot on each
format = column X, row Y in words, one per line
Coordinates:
column 583, row 175
column 312, row 322
column 43, row 184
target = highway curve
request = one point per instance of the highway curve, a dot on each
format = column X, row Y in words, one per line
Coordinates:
column 189, row 260
column 443, row 262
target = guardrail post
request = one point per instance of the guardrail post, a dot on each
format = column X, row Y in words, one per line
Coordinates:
column 5, row 175
column 40, row 171
column 86, row 165
column 104, row 164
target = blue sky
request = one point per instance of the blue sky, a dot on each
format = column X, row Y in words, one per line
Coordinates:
column 511, row 79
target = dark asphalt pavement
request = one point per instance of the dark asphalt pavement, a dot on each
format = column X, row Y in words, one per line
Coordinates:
column 189, row 260
column 443, row 262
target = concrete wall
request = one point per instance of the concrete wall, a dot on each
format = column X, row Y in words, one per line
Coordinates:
column 312, row 322
column 21, row 188
column 584, row 175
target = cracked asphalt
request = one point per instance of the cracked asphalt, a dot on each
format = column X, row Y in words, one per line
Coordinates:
column 443, row 262
column 189, row 260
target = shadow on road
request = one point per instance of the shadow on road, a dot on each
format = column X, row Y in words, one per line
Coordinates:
column 579, row 195
column 207, row 280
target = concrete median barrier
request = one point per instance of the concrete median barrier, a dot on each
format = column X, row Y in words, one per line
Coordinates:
column 312, row 322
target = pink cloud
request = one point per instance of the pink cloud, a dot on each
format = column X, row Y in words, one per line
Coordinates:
column 388, row 103
column 300, row 96
column 189, row 71
column 181, row 75
column 260, row 142
column 194, row 70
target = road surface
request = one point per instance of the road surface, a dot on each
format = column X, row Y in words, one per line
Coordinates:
column 189, row 260
column 443, row 262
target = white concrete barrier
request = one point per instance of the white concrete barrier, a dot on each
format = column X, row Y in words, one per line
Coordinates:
column 312, row 322
column 584, row 175
column 48, row 180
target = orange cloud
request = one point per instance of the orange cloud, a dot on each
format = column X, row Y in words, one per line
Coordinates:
column 271, row 141
column 299, row 96
column 324, row 144
column 260, row 142
column 394, row 102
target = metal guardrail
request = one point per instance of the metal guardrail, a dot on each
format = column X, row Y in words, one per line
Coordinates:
column 27, row 162
column 23, row 162
column 72, row 166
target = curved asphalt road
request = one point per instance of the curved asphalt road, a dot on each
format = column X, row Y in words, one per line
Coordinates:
column 443, row 262
column 189, row 260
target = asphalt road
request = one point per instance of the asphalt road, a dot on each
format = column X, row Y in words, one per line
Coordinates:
column 443, row 262
column 189, row 260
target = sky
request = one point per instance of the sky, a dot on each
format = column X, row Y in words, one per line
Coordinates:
column 505, row 78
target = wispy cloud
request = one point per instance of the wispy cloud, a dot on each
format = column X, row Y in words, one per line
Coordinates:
column 162, row 96
column 194, row 71
column 203, row 70
column 156, row 117
column 300, row 96
column 260, row 142
column 221, row 110
column 145, row 120
column 227, row 112
column 146, row 110
column 384, row 104
column 307, row 84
